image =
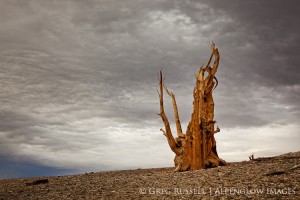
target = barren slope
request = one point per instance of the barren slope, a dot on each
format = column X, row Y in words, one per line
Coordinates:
column 269, row 178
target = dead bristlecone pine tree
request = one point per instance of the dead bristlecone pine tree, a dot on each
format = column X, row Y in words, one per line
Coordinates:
column 196, row 149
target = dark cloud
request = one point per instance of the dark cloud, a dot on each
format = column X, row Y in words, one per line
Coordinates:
column 79, row 79
column 268, row 47
column 17, row 168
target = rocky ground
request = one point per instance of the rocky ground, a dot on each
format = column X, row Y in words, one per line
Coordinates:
column 262, row 178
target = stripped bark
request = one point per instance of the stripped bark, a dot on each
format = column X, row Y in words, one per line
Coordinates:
column 196, row 149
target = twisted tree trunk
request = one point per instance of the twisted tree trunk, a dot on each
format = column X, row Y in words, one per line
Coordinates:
column 196, row 149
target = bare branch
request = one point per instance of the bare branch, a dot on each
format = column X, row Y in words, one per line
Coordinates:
column 215, row 52
column 217, row 130
column 164, row 132
column 167, row 132
column 209, row 61
column 176, row 115
column 217, row 82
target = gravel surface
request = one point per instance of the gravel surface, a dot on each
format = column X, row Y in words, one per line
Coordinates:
column 262, row 178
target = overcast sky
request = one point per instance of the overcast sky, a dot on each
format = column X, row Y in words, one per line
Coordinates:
column 79, row 80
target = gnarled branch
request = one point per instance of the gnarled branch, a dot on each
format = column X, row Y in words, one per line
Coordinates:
column 215, row 51
column 176, row 115
column 167, row 132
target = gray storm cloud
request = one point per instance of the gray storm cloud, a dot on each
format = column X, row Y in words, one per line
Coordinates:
column 79, row 78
